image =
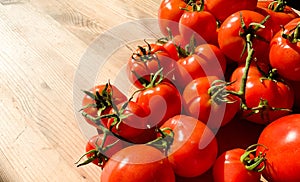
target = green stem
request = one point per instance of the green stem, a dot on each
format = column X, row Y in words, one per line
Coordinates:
column 254, row 164
column 242, row 91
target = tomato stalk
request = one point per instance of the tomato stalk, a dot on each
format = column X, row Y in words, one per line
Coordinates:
column 294, row 36
column 99, row 150
column 248, row 33
column 277, row 5
column 256, row 163
column 102, row 101
column 165, row 141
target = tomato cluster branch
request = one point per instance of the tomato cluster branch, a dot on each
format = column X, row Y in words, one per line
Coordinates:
column 165, row 141
column 256, row 163
column 294, row 36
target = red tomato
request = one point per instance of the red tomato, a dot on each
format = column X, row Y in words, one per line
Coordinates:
column 130, row 123
column 267, row 99
column 232, row 36
column 138, row 163
column 200, row 24
column 207, row 60
column 281, row 137
column 92, row 101
column 229, row 168
column 169, row 14
column 161, row 101
column 217, row 7
column 280, row 14
column 198, row 102
column 194, row 148
column 149, row 59
column 284, row 53
column 98, row 155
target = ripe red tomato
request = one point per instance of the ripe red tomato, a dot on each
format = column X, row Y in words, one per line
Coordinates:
column 232, row 36
column 138, row 163
column 169, row 14
column 149, row 59
column 280, row 14
column 207, row 60
column 284, row 53
column 99, row 98
column 217, row 7
column 281, row 137
column 229, row 167
column 198, row 103
column 99, row 155
column 129, row 123
column 194, row 148
column 200, row 24
column 266, row 98
column 161, row 101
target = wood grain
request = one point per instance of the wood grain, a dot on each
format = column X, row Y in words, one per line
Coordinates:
column 42, row 43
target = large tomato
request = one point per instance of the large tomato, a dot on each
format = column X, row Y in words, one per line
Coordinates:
column 229, row 167
column 282, row 138
column 280, row 14
column 200, row 103
column 161, row 101
column 194, row 148
column 138, row 163
column 100, row 98
column 232, row 35
column 221, row 9
column 285, row 51
column 266, row 98
column 205, row 60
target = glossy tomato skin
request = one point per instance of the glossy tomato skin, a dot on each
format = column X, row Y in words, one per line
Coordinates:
column 229, row 168
column 194, row 148
column 198, row 103
column 169, row 14
column 138, row 163
column 278, row 18
column 232, row 43
column 285, row 55
column 207, row 60
column 161, row 102
column 279, row 96
column 97, row 141
column 281, row 137
column 117, row 97
column 200, row 24
column 133, row 123
column 148, row 62
column 216, row 7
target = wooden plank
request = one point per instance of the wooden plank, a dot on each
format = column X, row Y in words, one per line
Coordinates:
column 36, row 98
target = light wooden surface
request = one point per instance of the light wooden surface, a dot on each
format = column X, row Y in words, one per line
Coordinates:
column 41, row 45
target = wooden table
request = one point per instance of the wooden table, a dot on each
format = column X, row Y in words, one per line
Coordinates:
column 41, row 45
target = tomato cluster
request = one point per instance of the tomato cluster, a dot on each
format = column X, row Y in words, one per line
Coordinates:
column 216, row 99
